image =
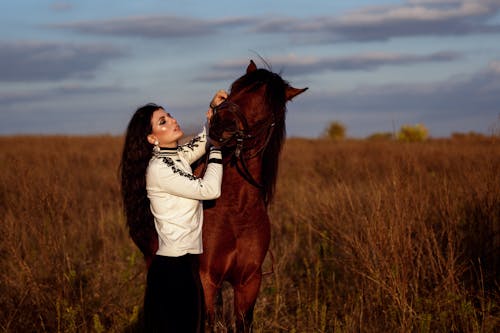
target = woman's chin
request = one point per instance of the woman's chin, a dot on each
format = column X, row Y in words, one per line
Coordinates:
column 180, row 134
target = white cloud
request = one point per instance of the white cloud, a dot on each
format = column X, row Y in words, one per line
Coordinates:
column 495, row 66
column 61, row 6
column 50, row 61
column 157, row 26
column 294, row 65
column 383, row 22
column 420, row 11
column 458, row 96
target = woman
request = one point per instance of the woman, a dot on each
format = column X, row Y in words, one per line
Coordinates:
column 161, row 194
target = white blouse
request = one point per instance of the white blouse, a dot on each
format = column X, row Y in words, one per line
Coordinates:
column 176, row 195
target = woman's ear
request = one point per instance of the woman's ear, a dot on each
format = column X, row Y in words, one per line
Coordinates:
column 151, row 139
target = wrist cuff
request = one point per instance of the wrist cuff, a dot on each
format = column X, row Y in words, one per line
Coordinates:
column 215, row 155
column 215, row 160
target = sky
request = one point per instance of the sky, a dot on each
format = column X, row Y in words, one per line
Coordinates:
column 84, row 67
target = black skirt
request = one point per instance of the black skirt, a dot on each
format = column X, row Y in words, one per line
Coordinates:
column 174, row 296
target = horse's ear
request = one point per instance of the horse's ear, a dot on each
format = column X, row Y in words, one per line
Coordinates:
column 251, row 67
column 291, row 92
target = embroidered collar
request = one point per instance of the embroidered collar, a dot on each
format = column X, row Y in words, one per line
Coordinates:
column 167, row 152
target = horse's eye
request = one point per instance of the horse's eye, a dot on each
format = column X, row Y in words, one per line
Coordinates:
column 229, row 126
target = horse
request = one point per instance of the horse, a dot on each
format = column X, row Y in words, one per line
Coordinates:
column 249, row 126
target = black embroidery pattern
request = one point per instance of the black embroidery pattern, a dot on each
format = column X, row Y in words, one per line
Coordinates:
column 168, row 161
column 191, row 144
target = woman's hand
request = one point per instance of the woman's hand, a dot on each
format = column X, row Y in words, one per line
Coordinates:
column 219, row 97
column 209, row 114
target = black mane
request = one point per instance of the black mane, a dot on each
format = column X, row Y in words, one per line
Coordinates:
column 275, row 101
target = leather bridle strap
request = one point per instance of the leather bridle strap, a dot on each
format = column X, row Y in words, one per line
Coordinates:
column 242, row 136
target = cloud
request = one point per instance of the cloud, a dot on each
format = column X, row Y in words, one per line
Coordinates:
column 67, row 108
column 370, row 23
column 457, row 105
column 61, row 6
column 10, row 98
column 49, row 61
column 495, row 66
column 378, row 23
column 14, row 97
column 363, row 61
column 293, row 65
column 458, row 96
column 167, row 26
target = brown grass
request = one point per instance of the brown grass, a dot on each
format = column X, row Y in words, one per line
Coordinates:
column 367, row 237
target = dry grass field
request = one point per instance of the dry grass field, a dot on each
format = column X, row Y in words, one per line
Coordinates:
column 367, row 237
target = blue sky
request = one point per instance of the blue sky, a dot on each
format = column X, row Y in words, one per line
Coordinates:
column 83, row 67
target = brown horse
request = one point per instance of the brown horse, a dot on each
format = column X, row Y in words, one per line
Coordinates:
column 250, row 127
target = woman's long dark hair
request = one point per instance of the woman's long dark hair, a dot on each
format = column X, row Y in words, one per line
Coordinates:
column 137, row 152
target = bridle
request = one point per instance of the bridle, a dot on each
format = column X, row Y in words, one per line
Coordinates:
column 243, row 138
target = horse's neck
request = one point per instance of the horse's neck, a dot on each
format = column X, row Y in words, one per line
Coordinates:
column 234, row 168
column 235, row 179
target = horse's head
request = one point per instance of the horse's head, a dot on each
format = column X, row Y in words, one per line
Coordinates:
column 254, row 110
column 251, row 122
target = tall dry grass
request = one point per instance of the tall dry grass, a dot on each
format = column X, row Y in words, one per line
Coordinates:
column 367, row 237
column 66, row 261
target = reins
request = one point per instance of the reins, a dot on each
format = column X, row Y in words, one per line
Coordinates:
column 242, row 138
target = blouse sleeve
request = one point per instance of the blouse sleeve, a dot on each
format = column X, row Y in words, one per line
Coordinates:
column 195, row 148
column 183, row 184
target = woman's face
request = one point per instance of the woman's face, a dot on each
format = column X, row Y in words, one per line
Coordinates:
column 165, row 129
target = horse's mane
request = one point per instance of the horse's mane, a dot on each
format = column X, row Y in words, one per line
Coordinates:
column 274, row 100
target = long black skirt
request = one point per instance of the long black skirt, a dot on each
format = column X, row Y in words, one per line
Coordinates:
column 174, row 295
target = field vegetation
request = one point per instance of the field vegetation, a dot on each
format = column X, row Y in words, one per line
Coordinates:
column 367, row 236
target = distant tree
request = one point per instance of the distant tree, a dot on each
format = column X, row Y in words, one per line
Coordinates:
column 335, row 131
column 415, row 133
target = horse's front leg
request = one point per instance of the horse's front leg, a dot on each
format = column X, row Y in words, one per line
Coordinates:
column 245, row 297
column 210, row 292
